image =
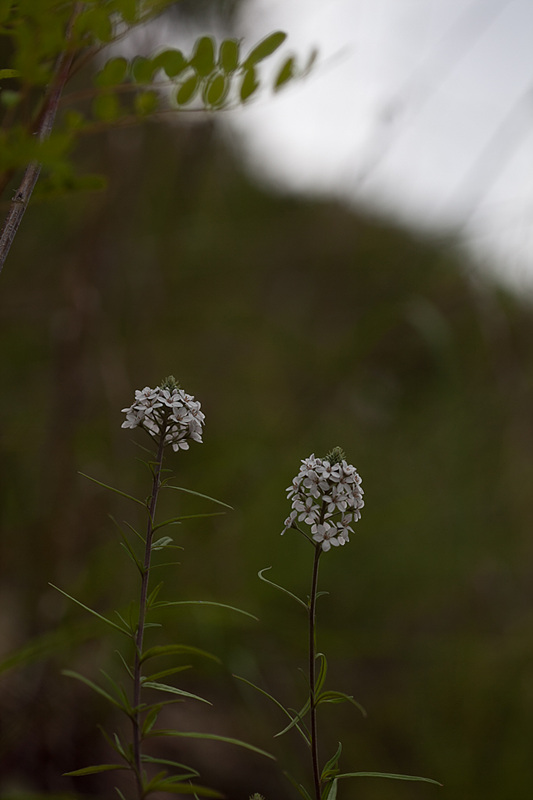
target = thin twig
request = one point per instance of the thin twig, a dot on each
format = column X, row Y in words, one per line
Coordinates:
column 46, row 120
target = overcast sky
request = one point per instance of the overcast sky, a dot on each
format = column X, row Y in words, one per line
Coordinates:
column 421, row 108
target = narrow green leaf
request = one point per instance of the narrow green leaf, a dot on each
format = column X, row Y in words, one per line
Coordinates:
column 165, row 603
column 166, row 672
column 322, row 673
column 192, row 773
column 331, row 766
column 228, row 57
column 92, row 611
column 274, row 700
column 340, row 697
column 249, row 84
column 265, row 48
column 298, row 786
column 389, row 775
column 163, row 687
column 172, row 62
column 113, row 72
column 96, row 768
column 119, row 793
column 9, row 73
column 112, row 489
column 176, row 649
column 215, row 738
column 94, row 686
column 177, row 520
column 281, row 588
column 285, row 74
column 199, row 494
column 310, row 63
column 330, row 792
column 152, row 597
column 161, row 543
column 203, row 59
column 187, row 90
column 294, row 720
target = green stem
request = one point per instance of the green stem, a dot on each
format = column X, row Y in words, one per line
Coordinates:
column 139, row 636
column 312, row 671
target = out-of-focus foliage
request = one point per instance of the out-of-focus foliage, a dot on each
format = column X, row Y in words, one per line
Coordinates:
column 299, row 325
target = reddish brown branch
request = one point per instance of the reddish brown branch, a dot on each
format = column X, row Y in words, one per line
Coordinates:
column 43, row 128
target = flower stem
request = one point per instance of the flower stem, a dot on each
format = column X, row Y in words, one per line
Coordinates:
column 139, row 636
column 312, row 671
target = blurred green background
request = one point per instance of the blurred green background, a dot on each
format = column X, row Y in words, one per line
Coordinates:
column 299, row 325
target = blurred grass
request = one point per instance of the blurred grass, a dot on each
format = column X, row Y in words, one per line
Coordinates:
column 299, row 325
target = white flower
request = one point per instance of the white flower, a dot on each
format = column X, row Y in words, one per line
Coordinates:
column 326, row 495
column 166, row 410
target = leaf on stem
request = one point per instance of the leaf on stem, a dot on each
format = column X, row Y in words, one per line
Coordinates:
column 213, row 737
column 265, row 48
column 92, row 611
column 163, row 687
column 340, row 697
column 298, row 786
column 294, row 720
column 94, row 686
column 330, row 791
column 169, row 787
column 174, row 649
column 112, row 489
column 389, row 775
column 198, row 494
column 277, row 702
column 165, row 603
column 281, row 588
column 94, row 769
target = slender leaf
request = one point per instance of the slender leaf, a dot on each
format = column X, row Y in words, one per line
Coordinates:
column 199, row 494
column 166, row 672
column 168, row 787
column 279, row 705
column 331, row 767
column 285, row 74
column 389, row 775
column 153, row 595
column 94, row 686
column 161, row 543
column 281, row 588
column 92, row 611
column 112, row 489
column 165, row 603
column 322, row 673
column 298, row 786
column 168, row 763
column 215, row 738
column 339, row 697
column 330, row 792
column 175, row 649
column 96, row 768
column 163, row 687
column 294, row 720
column 9, row 73
column 117, row 790
column 249, row 84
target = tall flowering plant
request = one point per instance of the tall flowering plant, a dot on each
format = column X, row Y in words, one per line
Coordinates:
column 326, row 501
column 172, row 419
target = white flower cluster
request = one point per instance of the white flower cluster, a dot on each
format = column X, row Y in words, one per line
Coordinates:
column 166, row 408
column 326, row 495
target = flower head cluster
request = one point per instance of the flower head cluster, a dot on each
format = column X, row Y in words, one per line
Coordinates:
column 169, row 410
column 326, row 495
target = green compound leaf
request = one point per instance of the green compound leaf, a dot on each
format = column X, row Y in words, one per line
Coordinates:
column 249, row 84
column 176, row 649
column 281, row 588
column 215, row 738
column 172, row 62
column 388, row 775
column 203, row 59
column 113, row 72
column 187, row 90
column 198, row 494
column 163, row 687
column 265, row 48
column 112, row 489
column 94, row 769
column 93, row 612
column 286, row 73
column 228, row 57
